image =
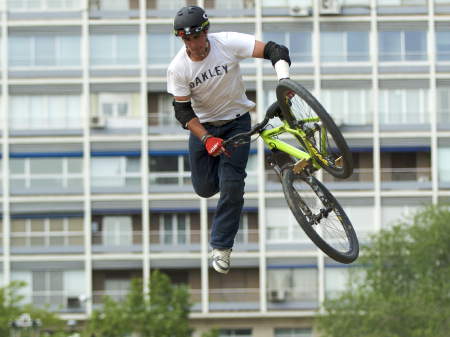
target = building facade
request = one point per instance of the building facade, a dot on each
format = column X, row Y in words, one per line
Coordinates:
column 95, row 178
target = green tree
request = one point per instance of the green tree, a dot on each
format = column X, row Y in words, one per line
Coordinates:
column 163, row 313
column 11, row 308
column 406, row 288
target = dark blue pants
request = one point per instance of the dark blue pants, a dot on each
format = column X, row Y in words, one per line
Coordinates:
column 213, row 174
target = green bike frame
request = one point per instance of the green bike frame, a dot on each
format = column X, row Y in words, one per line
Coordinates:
column 270, row 138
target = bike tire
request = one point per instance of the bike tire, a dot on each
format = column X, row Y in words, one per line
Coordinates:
column 298, row 104
column 330, row 229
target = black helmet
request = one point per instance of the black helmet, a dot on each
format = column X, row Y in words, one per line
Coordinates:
column 190, row 20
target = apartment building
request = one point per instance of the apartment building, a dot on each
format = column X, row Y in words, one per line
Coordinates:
column 95, row 179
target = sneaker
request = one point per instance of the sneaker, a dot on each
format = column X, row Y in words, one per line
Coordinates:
column 221, row 260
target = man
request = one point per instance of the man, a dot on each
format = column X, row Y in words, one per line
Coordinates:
column 210, row 101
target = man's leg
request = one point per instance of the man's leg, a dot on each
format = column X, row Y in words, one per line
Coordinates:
column 204, row 169
column 231, row 173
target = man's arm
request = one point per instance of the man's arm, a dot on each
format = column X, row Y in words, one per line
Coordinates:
column 188, row 119
column 193, row 124
column 277, row 54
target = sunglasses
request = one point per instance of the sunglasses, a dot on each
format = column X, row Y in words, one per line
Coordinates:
column 191, row 30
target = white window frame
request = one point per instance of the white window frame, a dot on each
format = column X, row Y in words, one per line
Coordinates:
column 28, row 177
column 120, row 179
column 174, row 230
column 115, row 99
column 43, row 6
column 116, row 235
column 344, row 113
column 386, row 114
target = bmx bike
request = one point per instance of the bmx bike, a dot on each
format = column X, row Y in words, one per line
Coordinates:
column 318, row 143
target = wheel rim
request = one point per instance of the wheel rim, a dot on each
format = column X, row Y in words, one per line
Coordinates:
column 323, row 219
column 305, row 117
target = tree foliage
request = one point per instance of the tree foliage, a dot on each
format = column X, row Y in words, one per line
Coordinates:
column 163, row 313
column 12, row 307
column 406, row 288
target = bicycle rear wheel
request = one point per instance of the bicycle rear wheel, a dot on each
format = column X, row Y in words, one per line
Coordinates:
column 301, row 110
column 320, row 216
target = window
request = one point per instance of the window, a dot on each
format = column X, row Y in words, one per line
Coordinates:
column 44, row 50
column 45, row 112
column 338, row 279
column 284, row 231
column 117, row 231
column 444, row 164
column 115, row 105
column 47, row 232
column 299, row 43
column 115, row 171
column 402, row 46
column 292, row 284
column 443, row 45
column 443, row 105
column 162, row 47
column 344, row 46
column 348, row 106
column 169, row 170
column 235, row 333
column 117, row 288
column 174, row 229
column 404, row 106
column 59, row 173
column 114, row 49
column 44, row 5
column 293, row 332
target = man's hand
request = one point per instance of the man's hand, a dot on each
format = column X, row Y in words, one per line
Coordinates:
column 214, row 146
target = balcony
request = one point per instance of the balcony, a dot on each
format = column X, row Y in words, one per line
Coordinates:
column 234, row 299
column 62, row 301
column 406, row 178
column 292, row 298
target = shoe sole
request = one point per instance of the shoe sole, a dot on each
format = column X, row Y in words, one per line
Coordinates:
column 218, row 269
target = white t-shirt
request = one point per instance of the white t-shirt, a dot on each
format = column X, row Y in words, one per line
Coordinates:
column 215, row 84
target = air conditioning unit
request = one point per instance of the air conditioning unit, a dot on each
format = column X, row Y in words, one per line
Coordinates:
column 329, row 7
column 298, row 11
column 73, row 303
column 97, row 122
column 277, row 295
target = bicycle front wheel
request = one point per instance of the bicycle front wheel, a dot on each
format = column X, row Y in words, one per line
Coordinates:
column 320, row 216
column 302, row 111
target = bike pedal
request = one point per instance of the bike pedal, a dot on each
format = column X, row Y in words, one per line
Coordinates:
column 300, row 166
column 339, row 161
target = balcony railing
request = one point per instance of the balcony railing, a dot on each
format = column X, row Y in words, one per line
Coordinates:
column 117, row 239
column 60, row 301
column 420, row 175
column 98, row 296
column 46, row 239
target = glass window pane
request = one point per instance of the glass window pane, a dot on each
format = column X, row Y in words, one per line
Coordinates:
column 415, row 46
column 389, row 46
column 157, row 48
column 19, row 51
column 300, row 46
column 69, row 54
column 357, row 46
column 17, row 166
column 46, row 166
column 127, row 49
column 101, row 46
column 45, row 50
column 331, row 47
column 443, row 46
column 74, row 165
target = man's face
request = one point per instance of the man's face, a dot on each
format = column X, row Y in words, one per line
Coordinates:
column 196, row 43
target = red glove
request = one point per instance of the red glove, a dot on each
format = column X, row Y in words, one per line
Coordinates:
column 214, row 146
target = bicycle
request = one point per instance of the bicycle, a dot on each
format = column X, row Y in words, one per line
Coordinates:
column 320, row 144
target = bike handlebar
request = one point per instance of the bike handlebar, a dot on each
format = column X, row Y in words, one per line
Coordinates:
column 241, row 138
